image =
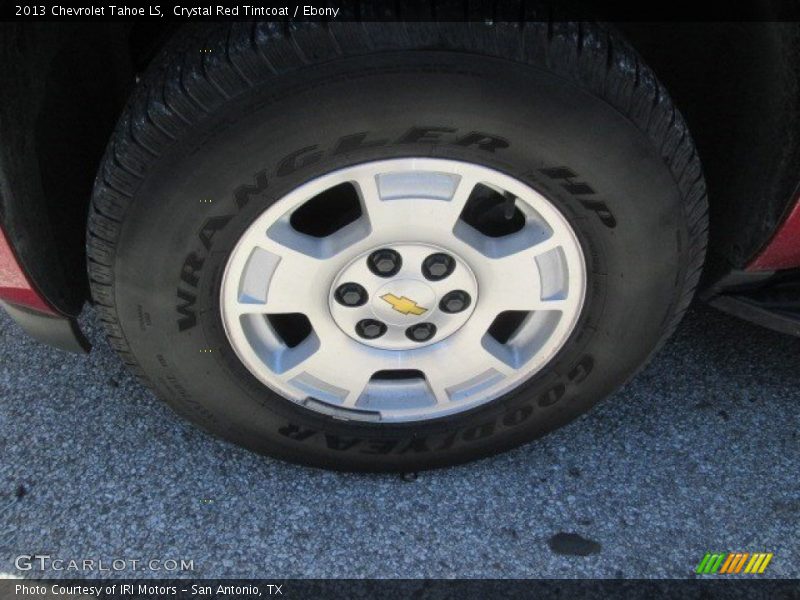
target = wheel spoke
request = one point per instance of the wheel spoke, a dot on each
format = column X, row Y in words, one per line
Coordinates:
column 476, row 365
column 447, row 213
column 325, row 373
column 512, row 282
column 437, row 382
column 395, row 216
column 520, row 293
column 277, row 279
column 295, row 287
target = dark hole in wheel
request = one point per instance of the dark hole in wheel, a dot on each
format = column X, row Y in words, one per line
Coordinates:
column 506, row 324
column 486, row 211
column 292, row 328
column 398, row 374
column 328, row 212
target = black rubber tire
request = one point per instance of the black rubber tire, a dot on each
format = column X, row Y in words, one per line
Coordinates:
column 222, row 115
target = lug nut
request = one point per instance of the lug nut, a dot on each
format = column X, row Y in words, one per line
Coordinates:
column 384, row 262
column 455, row 301
column 438, row 266
column 351, row 294
column 421, row 332
column 370, row 329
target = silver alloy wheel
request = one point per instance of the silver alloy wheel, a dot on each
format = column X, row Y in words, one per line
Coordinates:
column 362, row 356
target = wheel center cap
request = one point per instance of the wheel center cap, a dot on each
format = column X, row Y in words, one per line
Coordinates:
column 401, row 296
column 404, row 302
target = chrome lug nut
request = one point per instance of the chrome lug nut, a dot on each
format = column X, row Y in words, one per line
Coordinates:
column 351, row 294
column 421, row 332
column 370, row 329
column 455, row 301
column 438, row 266
column 384, row 262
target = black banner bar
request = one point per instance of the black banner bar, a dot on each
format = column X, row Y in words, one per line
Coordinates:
column 517, row 11
column 128, row 589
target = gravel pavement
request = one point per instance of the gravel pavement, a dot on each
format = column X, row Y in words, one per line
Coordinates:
column 699, row 453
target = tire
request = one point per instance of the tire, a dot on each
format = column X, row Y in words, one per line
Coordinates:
column 212, row 139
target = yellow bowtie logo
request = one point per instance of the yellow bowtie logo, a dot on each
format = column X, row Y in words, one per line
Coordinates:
column 404, row 305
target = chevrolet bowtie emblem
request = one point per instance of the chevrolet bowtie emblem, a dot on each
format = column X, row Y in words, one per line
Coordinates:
column 404, row 305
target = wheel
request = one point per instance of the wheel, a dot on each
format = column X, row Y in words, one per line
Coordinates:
column 380, row 246
column 403, row 311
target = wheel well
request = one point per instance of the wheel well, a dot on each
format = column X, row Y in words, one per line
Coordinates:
column 64, row 87
column 737, row 87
